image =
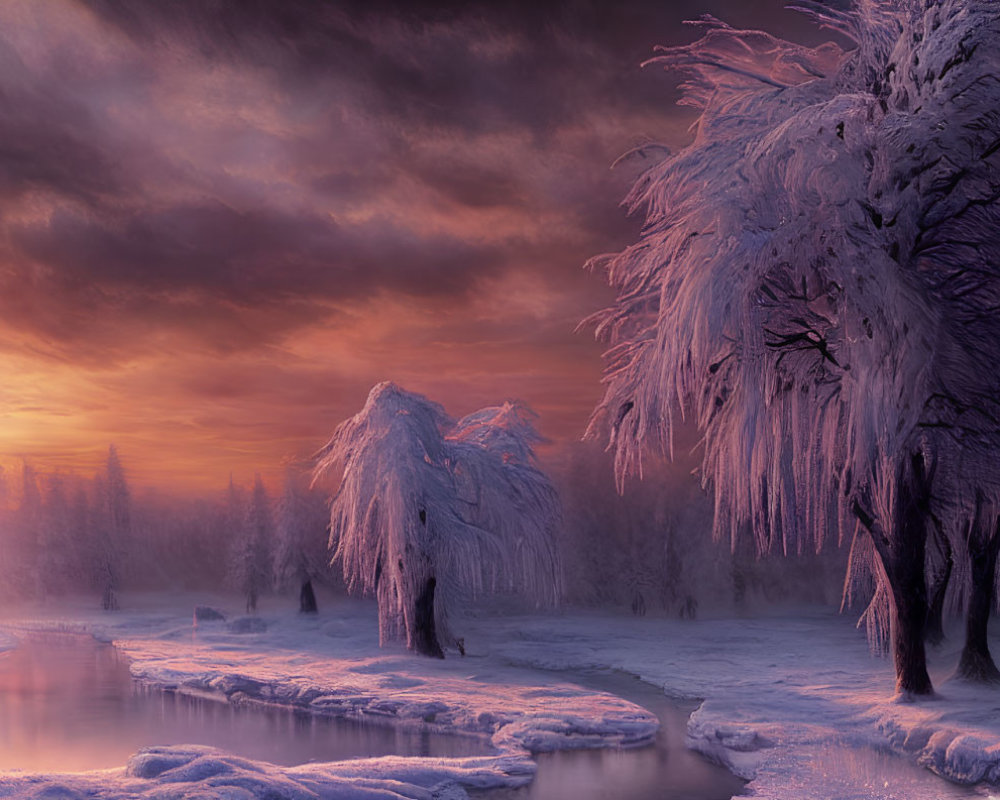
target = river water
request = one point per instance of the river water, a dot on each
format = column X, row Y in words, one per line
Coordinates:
column 665, row 770
column 68, row 703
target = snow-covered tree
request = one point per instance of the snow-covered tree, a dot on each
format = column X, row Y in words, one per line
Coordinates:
column 982, row 546
column 115, row 527
column 28, row 535
column 231, row 516
column 250, row 568
column 6, row 524
column 59, row 559
column 300, row 540
column 427, row 509
column 940, row 566
column 817, row 282
column 492, row 462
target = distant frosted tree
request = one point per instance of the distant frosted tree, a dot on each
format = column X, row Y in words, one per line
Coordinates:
column 300, row 540
column 817, row 282
column 251, row 555
column 232, row 514
column 58, row 561
column 6, row 523
column 427, row 510
column 115, row 529
column 28, row 535
column 83, row 531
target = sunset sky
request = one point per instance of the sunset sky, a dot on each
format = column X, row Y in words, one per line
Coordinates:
column 222, row 222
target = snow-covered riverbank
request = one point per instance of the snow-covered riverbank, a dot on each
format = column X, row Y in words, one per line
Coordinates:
column 794, row 703
column 332, row 664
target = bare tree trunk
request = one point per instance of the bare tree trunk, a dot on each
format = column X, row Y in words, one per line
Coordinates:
column 907, row 579
column 307, row 598
column 909, row 595
column 424, row 634
column 940, row 578
column 976, row 663
column 902, row 557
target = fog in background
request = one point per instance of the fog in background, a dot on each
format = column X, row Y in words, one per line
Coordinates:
column 648, row 551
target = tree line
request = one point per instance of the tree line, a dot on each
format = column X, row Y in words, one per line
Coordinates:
column 63, row 533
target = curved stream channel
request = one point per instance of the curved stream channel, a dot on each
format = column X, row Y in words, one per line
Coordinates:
column 667, row 770
column 68, row 703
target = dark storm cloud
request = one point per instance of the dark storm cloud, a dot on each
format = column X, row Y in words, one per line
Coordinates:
column 474, row 185
column 250, row 256
column 358, row 95
column 474, row 66
column 112, row 230
column 49, row 138
column 471, row 65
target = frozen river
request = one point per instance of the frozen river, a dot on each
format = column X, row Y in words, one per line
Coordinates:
column 68, row 703
column 666, row 770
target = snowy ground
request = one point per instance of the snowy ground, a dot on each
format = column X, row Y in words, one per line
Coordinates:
column 794, row 703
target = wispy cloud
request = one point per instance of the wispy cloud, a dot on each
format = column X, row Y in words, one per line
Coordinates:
column 221, row 222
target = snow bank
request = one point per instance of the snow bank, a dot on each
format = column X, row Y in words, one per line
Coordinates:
column 332, row 665
column 190, row 771
column 392, row 686
column 956, row 737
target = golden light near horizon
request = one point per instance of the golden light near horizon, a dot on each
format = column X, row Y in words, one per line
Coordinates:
column 187, row 421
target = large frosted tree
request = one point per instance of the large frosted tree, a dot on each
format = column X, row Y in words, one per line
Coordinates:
column 817, row 283
column 428, row 511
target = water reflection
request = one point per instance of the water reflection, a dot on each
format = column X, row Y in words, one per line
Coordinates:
column 865, row 772
column 68, row 703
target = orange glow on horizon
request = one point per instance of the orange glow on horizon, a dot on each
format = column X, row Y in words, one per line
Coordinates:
column 186, row 421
